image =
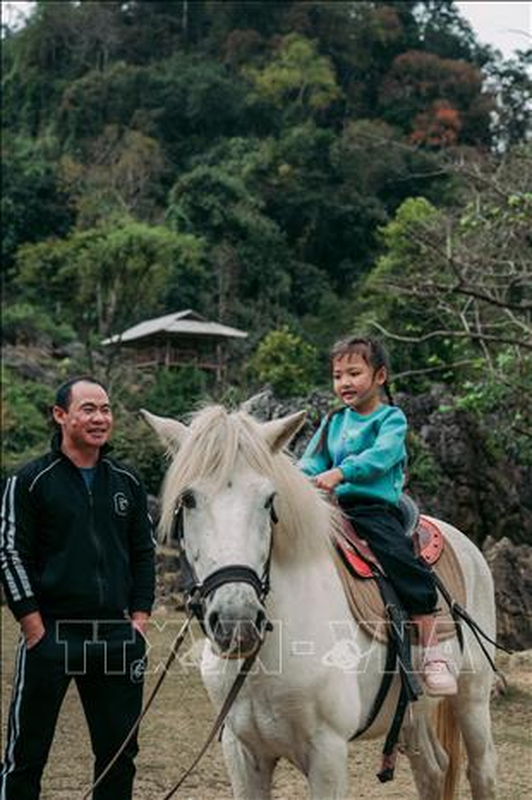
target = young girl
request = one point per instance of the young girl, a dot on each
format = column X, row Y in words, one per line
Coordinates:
column 359, row 454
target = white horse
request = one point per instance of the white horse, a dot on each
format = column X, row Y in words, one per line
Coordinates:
column 303, row 702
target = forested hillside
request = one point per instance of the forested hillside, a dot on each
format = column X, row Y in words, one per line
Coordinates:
column 300, row 170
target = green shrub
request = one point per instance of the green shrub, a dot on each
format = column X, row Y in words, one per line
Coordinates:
column 423, row 469
column 286, row 362
column 175, row 392
column 168, row 393
column 23, row 323
column 136, row 444
column 26, row 428
column 500, row 400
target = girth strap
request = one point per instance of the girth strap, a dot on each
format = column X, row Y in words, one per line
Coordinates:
column 398, row 650
column 399, row 628
column 398, row 653
column 380, row 697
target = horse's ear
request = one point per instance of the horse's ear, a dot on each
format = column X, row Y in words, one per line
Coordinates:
column 278, row 432
column 249, row 405
column 171, row 432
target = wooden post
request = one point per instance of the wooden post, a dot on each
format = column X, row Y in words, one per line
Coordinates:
column 220, row 365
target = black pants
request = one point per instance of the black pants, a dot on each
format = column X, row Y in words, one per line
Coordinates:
column 106, row 661
column 381, row 525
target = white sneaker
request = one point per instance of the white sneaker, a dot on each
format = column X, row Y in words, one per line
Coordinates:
column 438, row 678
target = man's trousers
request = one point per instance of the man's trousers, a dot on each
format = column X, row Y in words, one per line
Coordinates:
column 107, row 661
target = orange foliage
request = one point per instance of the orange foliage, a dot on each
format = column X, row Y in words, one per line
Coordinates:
column 438, row 127
column 440, row 100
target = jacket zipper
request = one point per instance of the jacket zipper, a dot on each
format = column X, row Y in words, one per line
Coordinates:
column 97, row 545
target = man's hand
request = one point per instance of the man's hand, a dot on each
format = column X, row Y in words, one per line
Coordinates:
column 33, row 629
column 139, row 620
column 329, row 480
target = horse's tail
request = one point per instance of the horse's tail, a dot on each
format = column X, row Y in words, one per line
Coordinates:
column 448, row 733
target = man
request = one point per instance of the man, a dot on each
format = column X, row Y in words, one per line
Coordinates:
column 77, row 565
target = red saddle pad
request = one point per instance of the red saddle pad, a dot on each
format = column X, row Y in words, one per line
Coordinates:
column 428, row 543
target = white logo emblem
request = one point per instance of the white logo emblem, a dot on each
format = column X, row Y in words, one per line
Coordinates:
column 121, row 504
column 345, row 655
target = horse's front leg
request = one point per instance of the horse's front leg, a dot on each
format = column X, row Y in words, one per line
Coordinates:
column 250, row 773
column 327, row 766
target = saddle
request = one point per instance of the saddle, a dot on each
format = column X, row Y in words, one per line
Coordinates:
column 357, row 567
column 377, row 610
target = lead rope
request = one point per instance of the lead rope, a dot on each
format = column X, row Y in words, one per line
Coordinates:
column 176, row 644
column 219, row 721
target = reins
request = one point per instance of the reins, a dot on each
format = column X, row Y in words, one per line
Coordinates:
column 458, row 613
column 220, row 719
column 176, row 644
column 195, row 596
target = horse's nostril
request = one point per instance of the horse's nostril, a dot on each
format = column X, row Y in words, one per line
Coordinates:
column 214, row 620
column 260, row 621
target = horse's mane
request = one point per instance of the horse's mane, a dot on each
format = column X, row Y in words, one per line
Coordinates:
column 217, row 440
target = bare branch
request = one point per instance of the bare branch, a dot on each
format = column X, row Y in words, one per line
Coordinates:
column 431, row 286
column 461, row 286
column 455, row 365
column 452, row 334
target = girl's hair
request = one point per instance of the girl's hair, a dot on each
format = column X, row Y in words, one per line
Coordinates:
column 374, row 354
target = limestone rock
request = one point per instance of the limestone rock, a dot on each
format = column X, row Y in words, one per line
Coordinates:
column 511, row 567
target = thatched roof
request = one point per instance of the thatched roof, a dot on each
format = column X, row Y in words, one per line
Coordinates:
column 184, row 324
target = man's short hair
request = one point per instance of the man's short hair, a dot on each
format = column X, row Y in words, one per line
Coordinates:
column 64, row 393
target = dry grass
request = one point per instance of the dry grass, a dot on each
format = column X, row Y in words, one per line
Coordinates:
column 181, row 717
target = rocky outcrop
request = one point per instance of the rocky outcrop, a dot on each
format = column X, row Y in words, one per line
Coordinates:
column 511, row 567
column 168, row 578
column 479, row 491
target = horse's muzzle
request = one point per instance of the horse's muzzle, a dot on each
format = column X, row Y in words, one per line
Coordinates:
column 236, row 629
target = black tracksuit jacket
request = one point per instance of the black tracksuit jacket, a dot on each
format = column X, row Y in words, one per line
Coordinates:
column 74, row 553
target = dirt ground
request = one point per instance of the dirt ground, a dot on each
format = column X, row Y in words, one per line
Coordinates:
column 181, row 717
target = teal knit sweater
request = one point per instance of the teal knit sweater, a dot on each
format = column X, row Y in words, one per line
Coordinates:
column 368, row 448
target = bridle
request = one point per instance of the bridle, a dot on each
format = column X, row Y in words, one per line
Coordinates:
column 196, row 593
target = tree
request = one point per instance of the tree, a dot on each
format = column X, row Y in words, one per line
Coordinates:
column 122, row 175
column 456, row 287
column 476, row 260
column 444, row 32
column 39, row 60
column 297, row 80
column 181, row 102
column 246, row 249
column 421, row 83
column 95, row 100
column 375, row 161
column 510, row 82
column 286, row 362
column 24, row 419
column 35, row 202
column 97, row 279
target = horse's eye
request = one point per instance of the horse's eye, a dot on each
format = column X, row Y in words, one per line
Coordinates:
column 188, row 500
